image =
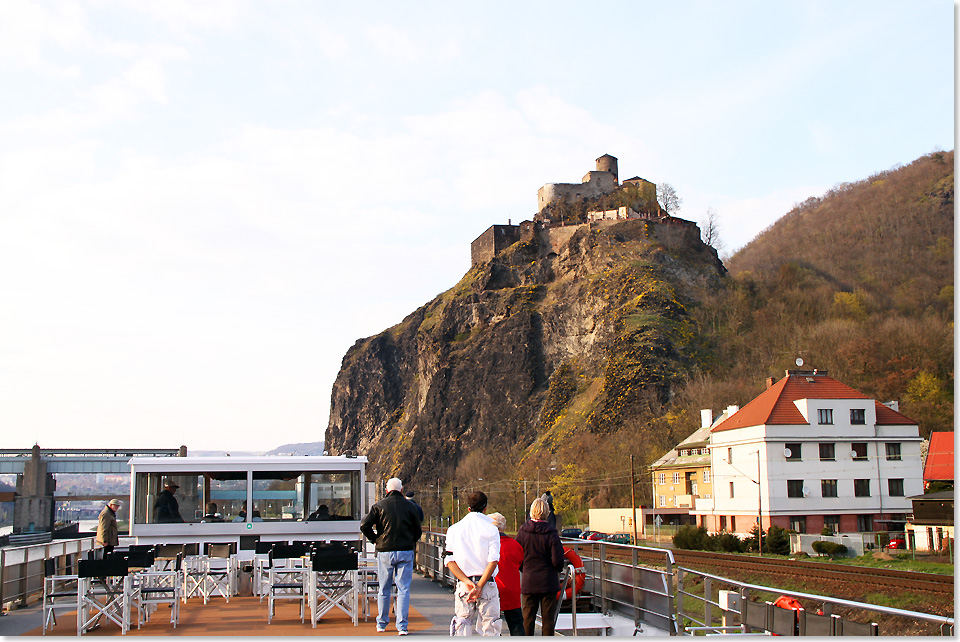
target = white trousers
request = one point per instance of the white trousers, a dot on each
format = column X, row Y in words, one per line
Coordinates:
column 482, row 616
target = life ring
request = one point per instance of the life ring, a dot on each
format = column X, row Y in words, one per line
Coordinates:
column 579, row 574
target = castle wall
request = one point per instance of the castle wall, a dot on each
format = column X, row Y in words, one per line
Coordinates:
column 596, row 184
column 493, row 240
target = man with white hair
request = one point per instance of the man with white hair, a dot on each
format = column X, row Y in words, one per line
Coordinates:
column 393, row 525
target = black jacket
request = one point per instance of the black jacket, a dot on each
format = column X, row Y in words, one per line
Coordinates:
column 393, row 524
column 168, row 508
column 542, row 558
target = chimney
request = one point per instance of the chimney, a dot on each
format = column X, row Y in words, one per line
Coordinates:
column 706, row 418
column 771, row 381
column 892, row 405
column 731, row 410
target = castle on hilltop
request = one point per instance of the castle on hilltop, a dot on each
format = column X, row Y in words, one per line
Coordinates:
column 552, row 223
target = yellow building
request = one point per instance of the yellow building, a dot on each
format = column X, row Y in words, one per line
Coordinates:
column 684, row 474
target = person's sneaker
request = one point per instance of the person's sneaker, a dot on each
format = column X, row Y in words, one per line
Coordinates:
column 381, row 630
column 402, row 632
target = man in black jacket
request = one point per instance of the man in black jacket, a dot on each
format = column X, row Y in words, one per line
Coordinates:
column 393, row 525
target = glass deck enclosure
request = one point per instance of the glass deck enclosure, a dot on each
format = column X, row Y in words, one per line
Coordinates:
column 219, row 499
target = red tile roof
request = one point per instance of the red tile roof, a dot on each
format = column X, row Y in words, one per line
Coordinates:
column 939, row 466
column 775, row 405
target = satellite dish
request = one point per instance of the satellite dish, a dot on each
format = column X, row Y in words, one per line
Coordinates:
column 799, row 362
column 787, row 453
column 806, row 491
column 853, row 453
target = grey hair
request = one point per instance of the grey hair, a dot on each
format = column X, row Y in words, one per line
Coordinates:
column 539, row 509
column 498, row 520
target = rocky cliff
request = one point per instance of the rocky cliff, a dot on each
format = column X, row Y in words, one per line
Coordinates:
column 575, row 330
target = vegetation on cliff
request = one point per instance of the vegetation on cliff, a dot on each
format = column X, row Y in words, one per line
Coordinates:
column 543, row 369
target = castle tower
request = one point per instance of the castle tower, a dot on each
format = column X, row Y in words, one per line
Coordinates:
column 608, row 163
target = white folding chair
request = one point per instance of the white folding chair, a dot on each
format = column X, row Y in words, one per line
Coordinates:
column 159, row 587
column 285, row 583
column 59, row 594
column 219, row 578
column 194, row 570
column 104, row 589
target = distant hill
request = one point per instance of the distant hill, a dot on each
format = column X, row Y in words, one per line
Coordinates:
column 307, row 448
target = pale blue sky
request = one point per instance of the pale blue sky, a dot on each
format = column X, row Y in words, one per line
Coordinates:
column 203, row 205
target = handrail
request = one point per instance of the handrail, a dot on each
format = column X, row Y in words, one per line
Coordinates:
column 569, row 581
column 21, row 567
column 744, row 589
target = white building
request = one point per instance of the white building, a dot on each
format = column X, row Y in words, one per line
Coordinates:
column 811, row 452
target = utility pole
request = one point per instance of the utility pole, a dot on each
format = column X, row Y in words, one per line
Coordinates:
column 759, row 507
column 526, row 505
column 439, row 507
column 454, row 501
column 633, row 499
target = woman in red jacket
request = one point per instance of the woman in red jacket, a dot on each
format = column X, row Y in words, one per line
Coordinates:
column 508, row 577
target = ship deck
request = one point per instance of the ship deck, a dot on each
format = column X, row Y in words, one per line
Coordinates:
column 431, row 608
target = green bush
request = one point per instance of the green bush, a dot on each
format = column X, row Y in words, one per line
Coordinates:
column 830, row 549
column 728, row 543
column 690, row 538
column 776, row 541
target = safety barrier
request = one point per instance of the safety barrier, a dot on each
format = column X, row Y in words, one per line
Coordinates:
column 21, row 567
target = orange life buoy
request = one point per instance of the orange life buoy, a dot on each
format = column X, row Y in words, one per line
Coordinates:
column 579, row 574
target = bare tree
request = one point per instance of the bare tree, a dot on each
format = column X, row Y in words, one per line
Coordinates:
column 710, row 229
column 668, row 199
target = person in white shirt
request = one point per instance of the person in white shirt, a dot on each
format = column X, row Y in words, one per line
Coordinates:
column 474, row 544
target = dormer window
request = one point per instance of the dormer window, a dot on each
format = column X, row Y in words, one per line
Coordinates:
column 858, row 416
column 825, row 416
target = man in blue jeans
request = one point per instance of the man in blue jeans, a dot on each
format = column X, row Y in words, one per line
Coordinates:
column 393, row 525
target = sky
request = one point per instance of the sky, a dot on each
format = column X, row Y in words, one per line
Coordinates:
column 203, row 205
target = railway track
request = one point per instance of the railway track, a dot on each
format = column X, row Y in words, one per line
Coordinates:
column 884, row 580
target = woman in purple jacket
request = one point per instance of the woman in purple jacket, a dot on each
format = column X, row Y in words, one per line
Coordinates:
column 542, row 563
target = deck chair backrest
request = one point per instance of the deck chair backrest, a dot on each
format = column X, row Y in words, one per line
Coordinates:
column 111, row 567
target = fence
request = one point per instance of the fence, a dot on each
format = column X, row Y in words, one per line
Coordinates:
column 701, row 608
column 21, row 567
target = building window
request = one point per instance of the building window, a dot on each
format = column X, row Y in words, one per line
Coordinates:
column 693, row 489
column 828, row 487
column 827, row 452
column 663, row 501
column 793, row 452
column 859, row 451
column 865, row 523
column 794, row 488
column 825, row 416
column 706, row 475
column 861, row 488
column 858, row 416
column 723, row 522
column 729, row 455
column 895, row 487
column 676, row 478
column 663, row 479
column 832, row 522
column 893, row 452
column 731, row 490
column 798, row 523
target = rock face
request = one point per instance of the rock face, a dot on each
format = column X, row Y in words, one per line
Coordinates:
column 559, row 333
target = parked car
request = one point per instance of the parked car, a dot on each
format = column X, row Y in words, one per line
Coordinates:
column 570, row 532
column 618, row 538
column 586, row 534
column 898, row 542
column 595, row 535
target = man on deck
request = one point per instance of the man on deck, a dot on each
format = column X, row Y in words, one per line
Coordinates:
column 474, row 543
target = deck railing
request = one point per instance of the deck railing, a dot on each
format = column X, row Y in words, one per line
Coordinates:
column 21, row 567
column 617, row 584
column 712, row 604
